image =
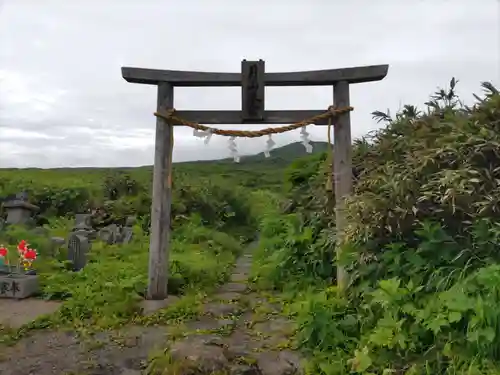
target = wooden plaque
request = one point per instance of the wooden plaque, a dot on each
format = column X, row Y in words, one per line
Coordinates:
column 253, row 88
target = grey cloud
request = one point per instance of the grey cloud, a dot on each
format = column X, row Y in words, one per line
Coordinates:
column 60, row 66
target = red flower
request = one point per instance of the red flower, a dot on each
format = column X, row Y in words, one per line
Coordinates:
column 22, row 247
column 30, row 254
column 3, row 252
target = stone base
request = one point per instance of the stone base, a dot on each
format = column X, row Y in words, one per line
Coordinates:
column 149, row 307
column 18, row 286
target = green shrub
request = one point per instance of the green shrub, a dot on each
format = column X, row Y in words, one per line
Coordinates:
column 421, row 244
column 64, row 192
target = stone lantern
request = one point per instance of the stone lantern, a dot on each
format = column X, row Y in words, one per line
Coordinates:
column 19, row 210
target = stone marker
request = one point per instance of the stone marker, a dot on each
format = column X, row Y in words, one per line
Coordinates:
column 19, row 210
column 105, row 235
column 83, row 221
column 128, row 230
column 78, row 248
column 115, row 234
column 114, row 231
column 83, row 226
column 110, row 234
column 55, row 243
column 17, row 286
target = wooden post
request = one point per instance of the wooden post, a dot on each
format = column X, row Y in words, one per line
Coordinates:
column 162, row 199
column 342, row 169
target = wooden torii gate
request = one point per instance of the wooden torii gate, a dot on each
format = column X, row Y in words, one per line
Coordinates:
column 253, row 80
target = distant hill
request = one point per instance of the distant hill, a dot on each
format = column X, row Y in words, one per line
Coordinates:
column 254, row 171
column 279, row 156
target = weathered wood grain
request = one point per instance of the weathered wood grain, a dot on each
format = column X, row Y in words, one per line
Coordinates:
column 357, row 74
column 252, row 90
column 342, row 169
column 159, row 245
column 235, row 117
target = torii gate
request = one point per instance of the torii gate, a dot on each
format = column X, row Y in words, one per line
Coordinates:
column 253, row 80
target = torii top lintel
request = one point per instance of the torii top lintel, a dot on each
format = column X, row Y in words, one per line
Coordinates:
column 183, row 78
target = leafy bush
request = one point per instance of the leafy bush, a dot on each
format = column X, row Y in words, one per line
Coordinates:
column 421, row 244
column 441, row 167
column 65, row 192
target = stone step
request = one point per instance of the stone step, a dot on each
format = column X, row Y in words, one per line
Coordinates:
column 227, row 296
column 233, row 287
column 220, row 308
column 239, row 277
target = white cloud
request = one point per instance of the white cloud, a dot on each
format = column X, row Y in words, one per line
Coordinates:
column 23, row 134
column 60, row 66
column 25, row 96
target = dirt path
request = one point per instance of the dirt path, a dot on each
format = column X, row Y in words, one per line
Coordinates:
column 238, row 333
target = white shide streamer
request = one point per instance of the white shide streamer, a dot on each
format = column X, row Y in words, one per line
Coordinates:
column 207, row 135
column 203, row 134
column 269, row 145
column 304, row 135
column 233, row 149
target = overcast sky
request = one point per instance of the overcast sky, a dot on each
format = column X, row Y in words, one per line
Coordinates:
column 63, row 101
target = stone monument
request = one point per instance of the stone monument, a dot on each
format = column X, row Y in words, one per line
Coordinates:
column 19, row 210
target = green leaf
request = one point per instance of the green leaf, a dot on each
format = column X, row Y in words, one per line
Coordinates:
column 454, row 316
column 361, row 361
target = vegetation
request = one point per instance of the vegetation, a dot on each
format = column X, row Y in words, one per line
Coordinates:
column 421, row 245
column 212, row 220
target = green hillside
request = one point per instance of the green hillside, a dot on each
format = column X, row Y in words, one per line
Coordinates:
column 281, row 156
column 251, row 171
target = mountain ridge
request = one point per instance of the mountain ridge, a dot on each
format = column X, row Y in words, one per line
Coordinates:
column 280, row 156
column 286, row 153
